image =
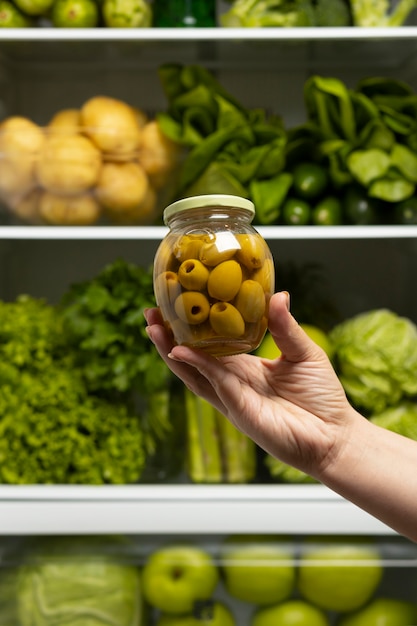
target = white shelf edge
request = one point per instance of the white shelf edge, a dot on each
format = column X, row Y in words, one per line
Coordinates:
column 156, row 233
column 206, row 34
column 181, row 509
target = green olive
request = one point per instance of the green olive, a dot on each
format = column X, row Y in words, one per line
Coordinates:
column 226, row 320
column 222, row 249
column 164, row 259
column 192, row 274
column 225, row 280
column 252, row 250
column 250, row 301
column 189, row 246
column 192, row 307
column 167, row 288
column 265, row 275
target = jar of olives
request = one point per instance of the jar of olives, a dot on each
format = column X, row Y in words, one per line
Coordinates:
column 214, row 275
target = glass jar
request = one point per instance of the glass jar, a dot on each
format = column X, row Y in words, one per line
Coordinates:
column 214, row 275
column 184, row 13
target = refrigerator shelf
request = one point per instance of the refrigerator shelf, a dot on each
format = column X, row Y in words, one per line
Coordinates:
column 240, row 48
column 180, row 509
column 156, row 233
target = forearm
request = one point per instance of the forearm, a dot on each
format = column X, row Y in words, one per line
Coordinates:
column 377, row 470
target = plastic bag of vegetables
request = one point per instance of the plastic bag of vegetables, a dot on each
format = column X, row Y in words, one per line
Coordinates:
column 376, row 358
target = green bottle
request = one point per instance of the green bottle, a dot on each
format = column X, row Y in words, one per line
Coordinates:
column 184, row 13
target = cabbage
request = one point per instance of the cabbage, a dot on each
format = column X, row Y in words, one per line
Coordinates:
column 376, row 358
column 79, row 588
column 401, row 419
column 281, row 472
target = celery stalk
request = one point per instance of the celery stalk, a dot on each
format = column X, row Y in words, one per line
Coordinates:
column 239, row 453
column 204, row 463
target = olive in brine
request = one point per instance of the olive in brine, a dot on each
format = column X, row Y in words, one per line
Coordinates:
column 225, row 280
column 189, row 246
column 226, row 320
column 167, row 288
column 250, row 301
column 265, row 275
column 252, row 251
column 192, row 307
column 217, row 252
column 192, row 274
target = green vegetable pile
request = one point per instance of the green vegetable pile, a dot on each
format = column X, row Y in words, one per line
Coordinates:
column 283, row 473
column 287, row 13
column 73, row 382
column 231, row 149
column 366, row 136
column 290, row 13
column 401, row 419
column 72, row 581
column 216, row 451
column 376, row 359
column 354, row 160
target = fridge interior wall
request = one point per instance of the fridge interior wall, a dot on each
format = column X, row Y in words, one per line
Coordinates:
column 358, row 275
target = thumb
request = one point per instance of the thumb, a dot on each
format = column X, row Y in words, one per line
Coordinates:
column 290, row 338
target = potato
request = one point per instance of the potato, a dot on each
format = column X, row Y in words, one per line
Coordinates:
column 81, row 210
column 26, row 208
column 20, row 143
column 66, row 121
column 68, row 164
column 112, row 125
column 141, row 116
column 143, row 213
column 122, row 187
column 158, row 155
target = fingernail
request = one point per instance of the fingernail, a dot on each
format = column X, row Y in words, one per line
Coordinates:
column 145, row 313
column 149, row 332
column 288, row 299
column 172, row 357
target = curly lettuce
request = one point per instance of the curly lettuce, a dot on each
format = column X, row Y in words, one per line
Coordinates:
column 376, row 358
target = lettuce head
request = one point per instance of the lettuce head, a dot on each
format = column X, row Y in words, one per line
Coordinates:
column 376, row 359
column 67, row 586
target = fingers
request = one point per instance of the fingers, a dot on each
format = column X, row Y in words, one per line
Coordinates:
column 182, row 361
column 293, row 342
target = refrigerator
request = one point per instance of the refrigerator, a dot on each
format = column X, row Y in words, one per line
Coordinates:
column 43, row 70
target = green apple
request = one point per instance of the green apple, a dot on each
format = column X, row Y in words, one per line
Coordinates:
column 339, row 574
column 383, row 612
column 290, row 613
column 269, row 349
column 260, row 570
column 221, row 616
column 176, row 576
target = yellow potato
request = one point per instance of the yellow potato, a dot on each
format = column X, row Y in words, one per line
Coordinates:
column 112, row 125
column 20, row 143
column 26, row 208
column 141, row 116
column 66, row 121
column 68, row 164
column 19, row 134
column 158, row 155
column 81, row 210
column 122, row 187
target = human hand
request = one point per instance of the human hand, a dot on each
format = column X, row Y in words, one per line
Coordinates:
column 294, row 407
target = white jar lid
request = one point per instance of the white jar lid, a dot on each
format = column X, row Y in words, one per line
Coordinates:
column 208, row 200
